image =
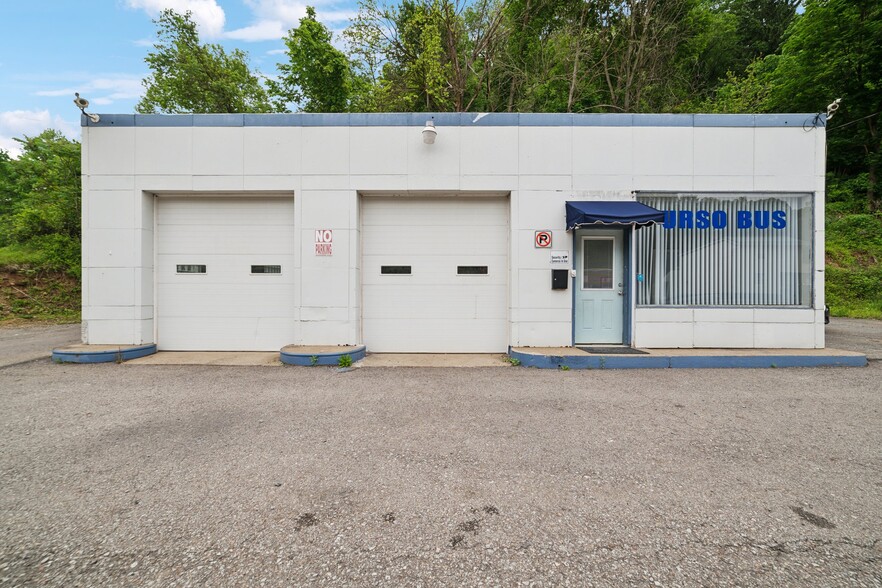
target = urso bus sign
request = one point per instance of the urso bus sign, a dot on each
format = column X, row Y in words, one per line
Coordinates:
column 719, row 219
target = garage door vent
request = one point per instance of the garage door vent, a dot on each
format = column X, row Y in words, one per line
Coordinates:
column 266, row 269
column 401, row 270
column 190, row 269
column 471, row 270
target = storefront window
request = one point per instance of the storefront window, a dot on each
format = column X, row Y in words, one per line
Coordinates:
column 726, row 250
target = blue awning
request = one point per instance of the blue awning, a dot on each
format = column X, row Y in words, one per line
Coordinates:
column 611, row 212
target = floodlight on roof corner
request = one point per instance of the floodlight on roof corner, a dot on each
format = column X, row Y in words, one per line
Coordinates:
column 83, row 104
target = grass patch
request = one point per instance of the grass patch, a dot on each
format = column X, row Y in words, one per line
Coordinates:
column 20, row 255
column 854, row 265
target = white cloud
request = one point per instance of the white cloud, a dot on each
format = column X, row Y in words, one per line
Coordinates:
column 264, row 30
column 102, row 90
column 206, row 13
column 274, row 18
column 18, row 123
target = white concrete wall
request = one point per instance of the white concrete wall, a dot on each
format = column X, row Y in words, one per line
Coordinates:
column 326, row 167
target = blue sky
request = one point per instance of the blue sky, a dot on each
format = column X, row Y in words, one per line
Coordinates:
column 50, row 49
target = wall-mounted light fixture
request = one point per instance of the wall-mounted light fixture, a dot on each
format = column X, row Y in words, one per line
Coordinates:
column 83, row 104
column 429, row 132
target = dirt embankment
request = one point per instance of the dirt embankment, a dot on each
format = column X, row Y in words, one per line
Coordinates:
column 28, row 294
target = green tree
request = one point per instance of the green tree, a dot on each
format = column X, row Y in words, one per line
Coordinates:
column 317, row 77
column 760, row 27
column 187, row 76
column 834, row 50
column 43, row 193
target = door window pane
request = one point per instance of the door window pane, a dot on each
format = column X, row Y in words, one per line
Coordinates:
column 597, row 263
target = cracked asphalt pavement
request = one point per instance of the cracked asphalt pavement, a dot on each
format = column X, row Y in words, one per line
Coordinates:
column 124, row 475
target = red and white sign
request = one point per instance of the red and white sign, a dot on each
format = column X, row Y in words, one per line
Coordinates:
column 542, row 239
column 324, row 239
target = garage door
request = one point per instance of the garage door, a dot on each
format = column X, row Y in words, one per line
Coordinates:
column 435, row 274
column 225, row 273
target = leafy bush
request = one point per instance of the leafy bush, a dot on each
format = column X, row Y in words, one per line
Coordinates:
column 854, row 271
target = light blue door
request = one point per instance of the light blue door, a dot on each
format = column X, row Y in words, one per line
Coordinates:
column 599, row 286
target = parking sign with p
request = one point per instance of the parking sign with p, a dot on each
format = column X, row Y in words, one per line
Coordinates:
column 542, row 240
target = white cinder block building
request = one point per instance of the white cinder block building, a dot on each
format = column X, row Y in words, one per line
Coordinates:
column 252, row 232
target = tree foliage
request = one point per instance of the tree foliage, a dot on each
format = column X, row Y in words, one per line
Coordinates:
column 188, row 76
column 41, row 194
column 317, row 77
column 832, row 50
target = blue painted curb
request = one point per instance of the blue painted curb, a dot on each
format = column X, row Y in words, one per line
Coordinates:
column 85, row 356
column 613, row 362
column 356, row 354
column 768, row 361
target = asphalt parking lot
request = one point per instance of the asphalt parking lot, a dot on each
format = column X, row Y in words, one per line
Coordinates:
column 125, row 475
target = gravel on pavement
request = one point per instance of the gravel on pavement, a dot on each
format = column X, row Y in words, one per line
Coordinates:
column 125, row 475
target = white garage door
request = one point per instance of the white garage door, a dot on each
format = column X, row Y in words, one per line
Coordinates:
column 435, row 274
column 225, row 273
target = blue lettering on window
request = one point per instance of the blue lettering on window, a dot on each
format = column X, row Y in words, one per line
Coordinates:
column 718, row 219
column 779, row 219
column 761, row 219
column 685, row 220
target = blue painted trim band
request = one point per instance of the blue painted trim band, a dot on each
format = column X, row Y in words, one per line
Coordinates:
column 581, row 362
column 106, row 356
column 767, row 361
column 163, row 120
column 321, row 358
column 453, row 119
column 219, row 120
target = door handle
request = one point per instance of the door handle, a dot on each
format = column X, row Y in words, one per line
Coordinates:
column 620, row 293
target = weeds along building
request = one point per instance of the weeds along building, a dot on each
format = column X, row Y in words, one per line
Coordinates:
column 252, row 232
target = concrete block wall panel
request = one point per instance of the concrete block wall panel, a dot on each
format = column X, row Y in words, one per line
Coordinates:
column 111, row 209
column 722, row 183
column 218, row 151
column 542, row 165
column 782, row 335
column 723, row 334
column 661, row 151
column 378, row 150
column 114, row 151
column 325, row 284
column 163, row 151
column 663, row 335
column 272, row 151
column 112, row 248
column 324, row 151
column 488, row 154
column 603, row 151
column 731, row 155
column 545, row 151
column 427, row 165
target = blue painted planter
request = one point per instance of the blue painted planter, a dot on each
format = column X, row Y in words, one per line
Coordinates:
column 105, row 356
column 356, row 354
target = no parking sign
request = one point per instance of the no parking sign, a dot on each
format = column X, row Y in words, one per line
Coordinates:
column 324, row 239
column 542, row 240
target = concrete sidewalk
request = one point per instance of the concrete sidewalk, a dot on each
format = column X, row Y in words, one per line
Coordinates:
column 851, row 342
